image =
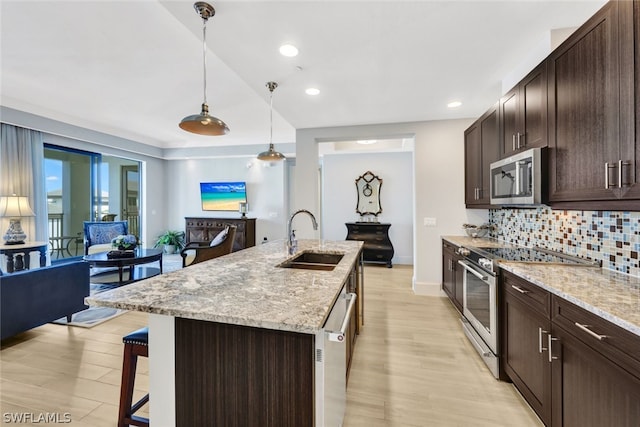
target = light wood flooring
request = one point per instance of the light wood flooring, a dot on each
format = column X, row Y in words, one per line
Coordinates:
column 413, row 367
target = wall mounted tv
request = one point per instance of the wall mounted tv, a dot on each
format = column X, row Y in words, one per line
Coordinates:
column 222, row 196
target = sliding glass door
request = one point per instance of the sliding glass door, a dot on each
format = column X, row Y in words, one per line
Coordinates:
column 85, row 186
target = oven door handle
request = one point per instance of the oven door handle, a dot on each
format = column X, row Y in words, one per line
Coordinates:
column 472, row 271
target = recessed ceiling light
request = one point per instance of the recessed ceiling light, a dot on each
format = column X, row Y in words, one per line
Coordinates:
column 367, row 141
column 312, row 91
column 288, row 50
column 454, row 104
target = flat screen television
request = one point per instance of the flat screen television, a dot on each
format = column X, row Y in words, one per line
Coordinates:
column 222, row 196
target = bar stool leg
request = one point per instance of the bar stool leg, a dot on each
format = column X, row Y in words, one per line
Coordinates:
column 126, row 411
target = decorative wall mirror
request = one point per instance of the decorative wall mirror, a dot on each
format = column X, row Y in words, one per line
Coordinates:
column 368, row 186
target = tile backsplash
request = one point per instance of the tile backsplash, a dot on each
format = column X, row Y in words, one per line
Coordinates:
column 608, row 236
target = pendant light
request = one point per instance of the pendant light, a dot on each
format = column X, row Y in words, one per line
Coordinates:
column 203, row 123
column 271, row 154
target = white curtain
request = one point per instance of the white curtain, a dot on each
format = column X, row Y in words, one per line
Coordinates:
column 22, row 173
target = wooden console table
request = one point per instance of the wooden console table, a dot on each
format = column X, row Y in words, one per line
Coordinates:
column 18, row 255
column 377, row 245
column 205, row 229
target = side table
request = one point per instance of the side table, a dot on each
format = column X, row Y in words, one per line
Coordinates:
column 18, row 255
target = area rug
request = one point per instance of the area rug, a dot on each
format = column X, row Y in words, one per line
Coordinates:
column 93, row 315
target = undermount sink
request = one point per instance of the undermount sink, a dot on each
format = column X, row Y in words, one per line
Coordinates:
column 313, row 261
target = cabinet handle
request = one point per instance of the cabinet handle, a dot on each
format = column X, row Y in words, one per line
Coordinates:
column 590, row 332
column 607, row 166
column 519, row 289
column 540, row 347
column 524, row 144
column 620, row 165
column 550, row 339
column 513, row 141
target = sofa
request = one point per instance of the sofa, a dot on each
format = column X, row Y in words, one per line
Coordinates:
column 34, row 297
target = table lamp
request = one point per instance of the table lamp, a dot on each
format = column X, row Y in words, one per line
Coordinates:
column 15, row 207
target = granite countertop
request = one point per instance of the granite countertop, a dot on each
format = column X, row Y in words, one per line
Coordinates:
column 244, row 288
column 611, row 295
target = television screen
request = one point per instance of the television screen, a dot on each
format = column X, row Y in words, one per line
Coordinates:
column 222, row 196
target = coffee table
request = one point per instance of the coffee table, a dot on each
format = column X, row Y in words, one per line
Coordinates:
column 141, row 256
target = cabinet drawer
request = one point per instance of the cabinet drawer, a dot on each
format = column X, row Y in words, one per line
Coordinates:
column 532, row 295
column 612, row 341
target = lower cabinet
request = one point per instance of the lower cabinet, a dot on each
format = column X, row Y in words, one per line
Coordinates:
column 574, row 368
column 452, row 274
column 526, row 325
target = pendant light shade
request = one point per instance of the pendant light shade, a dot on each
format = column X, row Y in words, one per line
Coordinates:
column 203, row 123
column 271, row 154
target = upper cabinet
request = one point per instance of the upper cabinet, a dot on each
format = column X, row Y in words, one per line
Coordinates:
column 523, row 114
column 583, row 102
column 593, row 153
column 480, row 150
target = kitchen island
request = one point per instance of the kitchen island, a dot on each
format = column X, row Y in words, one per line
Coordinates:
column 232, row 341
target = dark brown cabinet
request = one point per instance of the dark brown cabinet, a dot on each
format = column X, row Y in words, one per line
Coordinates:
column 377, row 244
column 205, row 229
column 452, row 274
column 591, row 111
column 573, row 367
column 481, row 148
column 524, row 335
column 523, row 114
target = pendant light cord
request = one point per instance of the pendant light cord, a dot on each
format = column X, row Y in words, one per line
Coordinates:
column 271, row 120
column 204, row 55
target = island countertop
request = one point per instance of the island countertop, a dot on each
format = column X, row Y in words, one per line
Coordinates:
column 244, row 288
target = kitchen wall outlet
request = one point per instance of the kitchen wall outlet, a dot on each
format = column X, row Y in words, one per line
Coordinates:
column 429, row 222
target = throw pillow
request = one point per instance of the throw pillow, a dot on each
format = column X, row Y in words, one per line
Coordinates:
column 104, row 233
column 220, row 237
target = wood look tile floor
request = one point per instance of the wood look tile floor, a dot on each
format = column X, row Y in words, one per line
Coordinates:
column 412, row 367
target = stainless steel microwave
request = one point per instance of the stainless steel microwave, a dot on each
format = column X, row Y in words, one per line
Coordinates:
column 518, row 179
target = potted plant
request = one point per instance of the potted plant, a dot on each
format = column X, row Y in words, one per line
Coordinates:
column 171, row 240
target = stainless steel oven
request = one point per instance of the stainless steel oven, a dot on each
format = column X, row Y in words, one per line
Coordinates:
column 480, row 284
column 480, row 309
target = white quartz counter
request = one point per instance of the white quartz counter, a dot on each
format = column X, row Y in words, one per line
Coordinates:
column 611, row 295
column 244, row 288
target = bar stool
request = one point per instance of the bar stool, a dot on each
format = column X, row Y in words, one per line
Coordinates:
column 135, row 344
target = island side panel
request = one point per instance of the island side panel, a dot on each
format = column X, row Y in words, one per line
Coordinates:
column 161, row 370
column 230, row 375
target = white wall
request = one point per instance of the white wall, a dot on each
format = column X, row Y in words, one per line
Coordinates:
column 340, row 197
column 265, row 191
column 438, row 189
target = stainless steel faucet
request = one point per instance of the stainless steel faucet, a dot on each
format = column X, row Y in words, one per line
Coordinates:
column 292, row 243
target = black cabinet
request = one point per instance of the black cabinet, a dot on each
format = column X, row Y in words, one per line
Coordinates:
column 377, row 245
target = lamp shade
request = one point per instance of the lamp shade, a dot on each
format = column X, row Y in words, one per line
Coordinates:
column 15, row 207
column 271, row 154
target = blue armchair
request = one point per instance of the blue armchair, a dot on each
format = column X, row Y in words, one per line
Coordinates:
column 98, row 235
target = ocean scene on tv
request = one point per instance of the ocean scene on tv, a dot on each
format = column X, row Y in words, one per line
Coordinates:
column 222, row 196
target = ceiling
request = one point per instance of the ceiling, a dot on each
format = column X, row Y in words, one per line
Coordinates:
column 133, row 69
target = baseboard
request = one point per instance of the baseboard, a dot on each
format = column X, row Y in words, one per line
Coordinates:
column 428, row 289
column 402, row 260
